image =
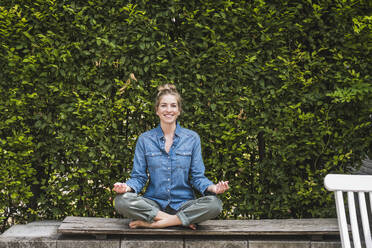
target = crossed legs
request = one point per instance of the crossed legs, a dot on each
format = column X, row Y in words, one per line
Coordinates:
column 146, row 213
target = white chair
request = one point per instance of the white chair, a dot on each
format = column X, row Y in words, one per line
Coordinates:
column 351, row 184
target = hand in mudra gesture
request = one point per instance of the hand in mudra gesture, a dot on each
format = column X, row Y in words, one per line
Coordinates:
column 121, row 188
column 219, row 188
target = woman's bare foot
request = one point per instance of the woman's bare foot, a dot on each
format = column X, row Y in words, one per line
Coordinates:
column 173, row 221
column 139, row 224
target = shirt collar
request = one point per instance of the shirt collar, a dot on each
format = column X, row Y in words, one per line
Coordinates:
column 177, row 132
column 160, row 134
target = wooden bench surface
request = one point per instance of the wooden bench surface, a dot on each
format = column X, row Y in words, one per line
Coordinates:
column 106, row 226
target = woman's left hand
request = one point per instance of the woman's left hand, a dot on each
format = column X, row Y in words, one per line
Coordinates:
column 219, row 188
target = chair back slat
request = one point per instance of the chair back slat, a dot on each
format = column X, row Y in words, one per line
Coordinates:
column 365, row 221
column 370, row 202
column 352, row 184
column 353, row 220
column 341, row 217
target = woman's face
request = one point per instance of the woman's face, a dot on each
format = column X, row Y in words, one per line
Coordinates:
column 168, row 109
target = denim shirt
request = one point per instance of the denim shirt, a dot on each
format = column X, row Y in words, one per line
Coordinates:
column 171, row 175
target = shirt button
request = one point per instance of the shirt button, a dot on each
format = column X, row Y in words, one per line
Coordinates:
column 168, row 168
column 168, row 179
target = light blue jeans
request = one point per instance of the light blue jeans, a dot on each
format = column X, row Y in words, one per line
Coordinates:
column 191, row 212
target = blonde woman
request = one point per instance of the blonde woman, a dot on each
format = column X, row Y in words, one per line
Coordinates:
column 169, row 158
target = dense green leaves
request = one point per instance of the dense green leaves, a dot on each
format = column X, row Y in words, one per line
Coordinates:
column 280, row 94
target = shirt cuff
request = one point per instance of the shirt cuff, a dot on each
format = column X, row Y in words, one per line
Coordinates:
column 134, row 190
column 205, row 192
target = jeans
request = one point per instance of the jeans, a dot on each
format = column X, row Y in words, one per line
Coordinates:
column 194, row 211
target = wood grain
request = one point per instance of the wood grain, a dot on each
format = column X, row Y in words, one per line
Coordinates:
column 104, row 226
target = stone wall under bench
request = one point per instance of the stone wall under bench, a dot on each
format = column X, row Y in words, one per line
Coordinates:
column 45, row 234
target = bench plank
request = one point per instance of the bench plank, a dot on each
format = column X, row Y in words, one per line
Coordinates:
column 105, row 226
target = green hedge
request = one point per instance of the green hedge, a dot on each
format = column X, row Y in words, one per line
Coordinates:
column 279, row 91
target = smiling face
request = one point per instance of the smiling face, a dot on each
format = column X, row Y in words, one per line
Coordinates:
column 168, row 109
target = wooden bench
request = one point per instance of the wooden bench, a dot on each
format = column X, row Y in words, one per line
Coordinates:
column 315, row 229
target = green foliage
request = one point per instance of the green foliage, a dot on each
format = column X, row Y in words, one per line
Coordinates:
column 280, row 94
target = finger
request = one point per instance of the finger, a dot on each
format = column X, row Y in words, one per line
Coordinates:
column 221, row 189
column 226, row 185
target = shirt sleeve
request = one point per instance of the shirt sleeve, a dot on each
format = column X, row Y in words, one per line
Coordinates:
column 198, row 180
column 139, row 176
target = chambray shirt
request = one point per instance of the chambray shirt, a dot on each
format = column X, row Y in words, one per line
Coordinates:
column 172, row 176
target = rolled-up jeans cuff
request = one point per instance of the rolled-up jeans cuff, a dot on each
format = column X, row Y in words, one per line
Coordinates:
column 185, row 221
column 152, row 215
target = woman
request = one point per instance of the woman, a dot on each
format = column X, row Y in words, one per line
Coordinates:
column 169, row 159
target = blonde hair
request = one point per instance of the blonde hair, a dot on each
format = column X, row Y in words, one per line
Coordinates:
column 168, row 89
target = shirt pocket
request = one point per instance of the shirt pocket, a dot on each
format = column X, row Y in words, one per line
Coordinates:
column 154, row 159
column 183, row 159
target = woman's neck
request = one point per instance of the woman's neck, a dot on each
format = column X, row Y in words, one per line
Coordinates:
column 168, row 129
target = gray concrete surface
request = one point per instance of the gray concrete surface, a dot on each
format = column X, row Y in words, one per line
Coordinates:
column 326, row 245
column 279, row 244
column 219, row 243
column 37, row 229
column 152, row 243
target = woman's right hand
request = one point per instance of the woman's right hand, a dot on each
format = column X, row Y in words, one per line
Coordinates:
column 121, row 188
column 219, row 188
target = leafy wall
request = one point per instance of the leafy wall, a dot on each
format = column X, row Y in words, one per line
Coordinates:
column 279, row 91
